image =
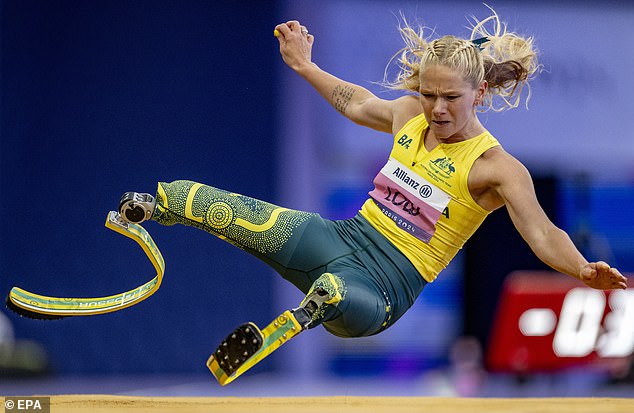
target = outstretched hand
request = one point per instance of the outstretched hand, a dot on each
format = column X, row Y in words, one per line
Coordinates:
column 296, row 44
column 601, row 276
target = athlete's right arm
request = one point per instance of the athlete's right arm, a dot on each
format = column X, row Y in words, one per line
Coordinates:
column 353, row 101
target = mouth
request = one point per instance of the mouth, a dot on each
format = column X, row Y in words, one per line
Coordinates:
column 440, row 123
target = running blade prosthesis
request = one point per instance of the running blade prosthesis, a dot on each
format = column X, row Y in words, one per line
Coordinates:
column 38, row 306
column 247, row 344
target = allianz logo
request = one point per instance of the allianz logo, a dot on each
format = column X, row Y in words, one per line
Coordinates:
column 425, row 191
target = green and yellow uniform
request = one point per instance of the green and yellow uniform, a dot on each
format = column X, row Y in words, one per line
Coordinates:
column 421, row 201
column 418, row 216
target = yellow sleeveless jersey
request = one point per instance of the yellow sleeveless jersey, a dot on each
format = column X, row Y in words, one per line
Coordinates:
column 421, row 202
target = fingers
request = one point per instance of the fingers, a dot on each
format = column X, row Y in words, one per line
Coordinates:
column 591, row 269
column 283, row 30
column 601, row 275
column 588, row 272
column 616, row 273
column 618, row 278
column 293, row 25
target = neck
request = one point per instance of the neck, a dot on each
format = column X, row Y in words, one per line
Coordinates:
column 472, row 130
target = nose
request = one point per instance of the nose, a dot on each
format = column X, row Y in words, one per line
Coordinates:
column 440, row 107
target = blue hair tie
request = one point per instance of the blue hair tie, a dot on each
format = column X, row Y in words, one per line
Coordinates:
column 478, row 42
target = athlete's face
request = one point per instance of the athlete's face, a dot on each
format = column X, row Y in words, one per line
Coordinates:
column 449, row 103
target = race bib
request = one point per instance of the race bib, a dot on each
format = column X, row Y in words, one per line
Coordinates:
column 412, row 202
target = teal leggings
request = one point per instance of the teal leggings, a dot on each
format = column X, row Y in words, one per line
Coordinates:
column 377, row 282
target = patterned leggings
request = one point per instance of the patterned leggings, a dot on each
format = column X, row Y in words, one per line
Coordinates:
column 376, row 283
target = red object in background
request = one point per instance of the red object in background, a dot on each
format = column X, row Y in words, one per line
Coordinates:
column 547, row 321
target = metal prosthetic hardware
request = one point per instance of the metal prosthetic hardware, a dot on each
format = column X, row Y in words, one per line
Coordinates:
column 310, row 306
column 136, row 208
column 247, row 344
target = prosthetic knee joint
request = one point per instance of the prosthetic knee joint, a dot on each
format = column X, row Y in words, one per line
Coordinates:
column 136, row 208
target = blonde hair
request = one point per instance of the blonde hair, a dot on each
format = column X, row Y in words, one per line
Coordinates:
column 506, row 60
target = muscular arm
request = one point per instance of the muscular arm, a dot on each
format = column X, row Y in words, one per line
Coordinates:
column 513, row 184
column 353, row 101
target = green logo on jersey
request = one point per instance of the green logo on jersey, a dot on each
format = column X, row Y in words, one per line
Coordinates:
column 404, row 141
column 444, row 166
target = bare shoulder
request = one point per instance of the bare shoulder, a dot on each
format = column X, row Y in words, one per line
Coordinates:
column 493, row 174
column 403, row 109
column 497, row 166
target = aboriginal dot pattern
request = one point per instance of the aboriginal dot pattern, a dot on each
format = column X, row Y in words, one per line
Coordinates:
column 230, row 215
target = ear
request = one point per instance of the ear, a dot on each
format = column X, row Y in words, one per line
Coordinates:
column 481, row 92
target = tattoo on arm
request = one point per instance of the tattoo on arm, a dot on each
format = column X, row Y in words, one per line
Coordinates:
column 341, row 96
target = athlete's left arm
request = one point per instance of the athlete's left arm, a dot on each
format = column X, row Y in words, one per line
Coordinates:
column 513, row 183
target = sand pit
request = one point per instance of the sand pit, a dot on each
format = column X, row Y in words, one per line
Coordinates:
column 105, row 403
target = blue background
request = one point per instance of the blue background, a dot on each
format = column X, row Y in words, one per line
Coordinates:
column 99, row 98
